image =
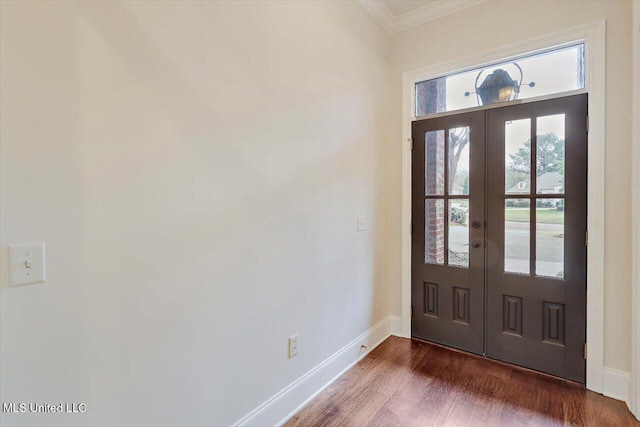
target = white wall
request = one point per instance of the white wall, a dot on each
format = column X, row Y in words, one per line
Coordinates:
column 498, row 23
column 195, row 169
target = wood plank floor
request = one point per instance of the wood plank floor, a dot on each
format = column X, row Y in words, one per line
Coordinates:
column 411, row 383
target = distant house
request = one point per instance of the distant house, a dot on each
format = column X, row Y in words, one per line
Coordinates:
column 548, row 183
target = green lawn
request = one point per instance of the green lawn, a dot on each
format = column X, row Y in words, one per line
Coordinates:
column 543, row 215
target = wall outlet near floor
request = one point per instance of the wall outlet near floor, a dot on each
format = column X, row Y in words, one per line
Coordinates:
column 293, row 346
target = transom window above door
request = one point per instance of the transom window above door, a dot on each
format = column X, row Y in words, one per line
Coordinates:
column 553, row 71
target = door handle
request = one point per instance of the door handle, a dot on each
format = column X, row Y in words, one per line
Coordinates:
column 476, row 244
column 476, row 224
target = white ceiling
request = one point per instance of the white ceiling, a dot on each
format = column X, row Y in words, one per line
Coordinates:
column 400, row 7
column 399, row 15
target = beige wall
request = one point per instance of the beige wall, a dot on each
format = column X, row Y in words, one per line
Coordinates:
column 498, row 23
column 195, row 169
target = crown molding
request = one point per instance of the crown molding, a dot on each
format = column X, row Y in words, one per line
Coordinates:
column 394, row 24
column 380, row 13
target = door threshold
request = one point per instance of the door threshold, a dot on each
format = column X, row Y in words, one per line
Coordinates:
column 499, row 362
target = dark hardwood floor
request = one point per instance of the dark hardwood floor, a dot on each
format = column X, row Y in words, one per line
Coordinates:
column 411, row 383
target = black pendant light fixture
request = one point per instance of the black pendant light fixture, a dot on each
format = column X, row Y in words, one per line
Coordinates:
column 498, row 86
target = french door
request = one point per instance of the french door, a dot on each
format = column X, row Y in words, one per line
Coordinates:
column 498, row 233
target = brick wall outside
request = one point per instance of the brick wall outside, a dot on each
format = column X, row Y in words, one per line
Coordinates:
column 431, row 97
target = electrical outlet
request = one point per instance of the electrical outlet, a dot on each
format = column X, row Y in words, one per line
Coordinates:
column 293, row 346
column 361, row 223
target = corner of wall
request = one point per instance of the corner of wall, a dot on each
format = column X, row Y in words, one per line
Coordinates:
column 634, row 386
column 278, row 409
column 616, row 384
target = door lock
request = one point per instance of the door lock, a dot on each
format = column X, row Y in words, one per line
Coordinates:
column 476, row 244
column 476, row 224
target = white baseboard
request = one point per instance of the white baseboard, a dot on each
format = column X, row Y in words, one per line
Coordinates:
column 616, row 384
column 396, row 325
column 287, row 402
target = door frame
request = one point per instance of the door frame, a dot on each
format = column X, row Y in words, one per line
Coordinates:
column 593, row 36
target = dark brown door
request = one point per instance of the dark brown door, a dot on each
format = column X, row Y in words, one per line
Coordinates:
column 499, row 224
column 448, row 230
column 536, row 227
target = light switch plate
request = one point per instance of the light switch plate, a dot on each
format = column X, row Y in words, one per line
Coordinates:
column 26, row 264
column 361, row 224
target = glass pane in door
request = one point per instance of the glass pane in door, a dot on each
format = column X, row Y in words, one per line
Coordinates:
column 459, row 232
column 517, row 171
column 434, row 231
column 434, row 163
column 517, row 230
column 459, row 161
column 550, row 154
column 550, row 238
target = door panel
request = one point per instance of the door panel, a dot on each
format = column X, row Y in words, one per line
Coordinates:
column 536, row 271
column 448, row 202
column 498, row 227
